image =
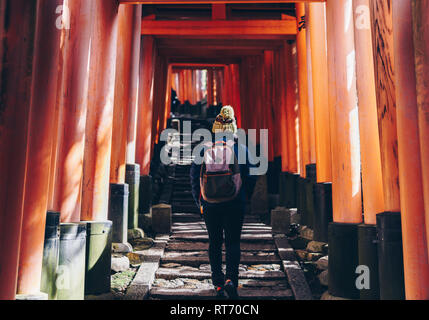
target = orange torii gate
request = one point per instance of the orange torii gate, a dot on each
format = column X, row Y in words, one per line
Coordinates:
column 77, row 111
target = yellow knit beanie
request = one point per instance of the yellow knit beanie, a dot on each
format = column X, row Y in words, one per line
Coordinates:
column 225, row 121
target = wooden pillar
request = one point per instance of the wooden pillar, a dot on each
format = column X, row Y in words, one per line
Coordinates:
column 236, row 93
column 159, row 97
column 243, row 69
column 167, row 91
column 194, row 87
column 17, row 47
column 210, row 97
column 41, row 129
column 219, row 78
column 292, row 112
column 382, row 37
column 134, row 89
column 346, row 182
column 127, row 69
column 145, row 111
column 282, row 116
column 421, row 51
column 372, row 183
column 73, row 109
column 228, row 86
column 98, row 141
column 416, row 265
column 261, row 109
column 304, row 115
column 269, row 105
column 317, row 26
column 310, row 86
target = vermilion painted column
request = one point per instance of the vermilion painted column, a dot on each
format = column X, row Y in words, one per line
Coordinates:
column 372, row 183
column 236, row 92
column 219, row 78
column 269, row 101
column 310, row 86
column 41, row 120
column 126, row 90
column 421, row 43
column 292, row 112
column 243, row 70
column 227, row 94
column 68, row 184
column 304, row 116
column 345, row 146
column 317, row 26
column 134, row 87
column 282, row 117
column 210, row 87
column 346, row 182
column 98, row 141
column 145, row 111
column 182, row 86
column 167, row 91
column 159, row 97
column 17, row 46
column 416, row 264
column 382, row 37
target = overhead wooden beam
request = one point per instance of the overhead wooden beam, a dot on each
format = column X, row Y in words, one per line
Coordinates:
column 212, row 1
column 219, row 11
column 196, row 66
column 218, row 44
column 220, row 28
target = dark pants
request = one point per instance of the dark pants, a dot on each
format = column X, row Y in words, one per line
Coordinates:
column 226, row 218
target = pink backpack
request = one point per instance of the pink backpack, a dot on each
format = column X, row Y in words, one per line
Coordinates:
column 220, row 178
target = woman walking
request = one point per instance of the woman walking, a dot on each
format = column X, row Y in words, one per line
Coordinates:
column 220, row 189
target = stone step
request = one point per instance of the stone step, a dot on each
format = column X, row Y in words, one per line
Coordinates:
column 181, row 209
column 203, row 232
column 194, row 273
column 202, row 229
column 263, row 238
column 209, row 293
column 186, row 217
column 203, row 246
column 184, row 202
column 182, row 194
column 195, row 259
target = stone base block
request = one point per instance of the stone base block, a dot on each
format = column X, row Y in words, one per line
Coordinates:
column 122, row 247
column 280, row 220
column 32, row 297
column 132, row 178
column 327, row 296
column 294, row 216
column 145, row 194
column 118, row 211
column 273, row 200
column 135, row 233
column 162, row 218
column 145, row 222
column 259, row 202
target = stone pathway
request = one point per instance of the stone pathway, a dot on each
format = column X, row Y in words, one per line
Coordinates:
column 181, row 270
column 184, row 271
